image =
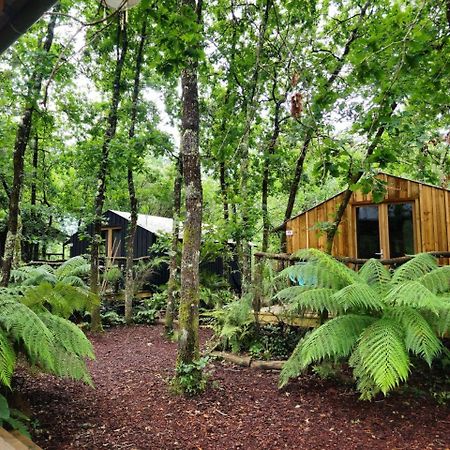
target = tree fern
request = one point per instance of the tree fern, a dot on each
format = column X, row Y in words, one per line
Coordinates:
column 334, row 339
column 77, row 266
column 380, row 319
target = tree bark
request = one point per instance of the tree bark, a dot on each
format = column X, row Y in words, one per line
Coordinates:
column 96, row 324
column 22, row 138
column 250, row 110
column 173, row 265
column 188, row 344
column 129, row 279
column 266, row 173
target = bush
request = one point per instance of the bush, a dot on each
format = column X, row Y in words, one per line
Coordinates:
column 379, row 318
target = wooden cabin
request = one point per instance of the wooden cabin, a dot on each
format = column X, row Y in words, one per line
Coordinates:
column 149, row 230
column 413, row 217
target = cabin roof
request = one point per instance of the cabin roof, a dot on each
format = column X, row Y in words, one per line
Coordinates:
column 341, row 192
column 16, row 16
column 155, row 224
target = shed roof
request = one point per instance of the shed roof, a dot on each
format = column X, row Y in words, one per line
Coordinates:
column 155, row 224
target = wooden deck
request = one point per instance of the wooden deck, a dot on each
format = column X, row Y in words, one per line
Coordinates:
column 15, row 441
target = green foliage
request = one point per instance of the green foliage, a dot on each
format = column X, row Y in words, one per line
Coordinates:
column 378, row 319
column 231, row 322
column 147, row 311
column 12, row 417
column 112, row 318
column 190, row 379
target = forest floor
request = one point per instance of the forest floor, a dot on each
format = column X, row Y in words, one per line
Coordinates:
column 132, row 408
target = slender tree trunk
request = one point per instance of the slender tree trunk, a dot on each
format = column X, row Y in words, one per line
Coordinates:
column 310, row 132
column 129, row 279
column 250, row 110
column 266, row 174
column 188, row 344
column 353, row 179
column 96, row 324
column 34, row 247
column 22, row 138
column 173, row 265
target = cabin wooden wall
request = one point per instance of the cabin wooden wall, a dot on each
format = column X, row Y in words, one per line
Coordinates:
column 431, row 213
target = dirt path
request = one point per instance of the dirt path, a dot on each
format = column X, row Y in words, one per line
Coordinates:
column 131, row 408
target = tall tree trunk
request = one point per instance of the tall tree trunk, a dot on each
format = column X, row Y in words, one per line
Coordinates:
column 129, row 279
column 34, row 247
column 266, row 172
column 310, row 132
column 22, row 138
column 353, row 179
column 173, row 265
column 188, row 344
column 122, row 45
column 250, row 110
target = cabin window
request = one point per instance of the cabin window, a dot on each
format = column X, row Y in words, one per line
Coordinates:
column 401, row 234
column 368, row 231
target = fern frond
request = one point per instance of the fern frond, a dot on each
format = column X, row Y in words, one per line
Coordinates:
column 7, row 359
column 77, row 266
column 415, row 268
column 414, row 295
column 25, row 327
column 375, row 275
column 442, row 325
column 359, row 297
column 437, row 281
column 291, row 292
column 364, row 382
column 72, row 280
column 327, row 266
column 420, row 339
column 316, row 300
column 383, row 354
column 68, row 335
column 32, row 276
column 334, row 339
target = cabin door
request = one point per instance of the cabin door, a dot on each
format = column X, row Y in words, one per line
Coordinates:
column 385, row 230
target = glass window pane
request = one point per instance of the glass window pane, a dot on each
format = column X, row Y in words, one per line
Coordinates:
column 401, row 234
column 368, row 231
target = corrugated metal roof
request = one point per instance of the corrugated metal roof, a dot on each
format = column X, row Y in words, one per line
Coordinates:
column 155, row 224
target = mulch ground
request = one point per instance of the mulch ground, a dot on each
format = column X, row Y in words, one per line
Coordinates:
column 131, row 407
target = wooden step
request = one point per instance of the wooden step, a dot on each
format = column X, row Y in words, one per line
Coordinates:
column 25, row 440
column 15, row 441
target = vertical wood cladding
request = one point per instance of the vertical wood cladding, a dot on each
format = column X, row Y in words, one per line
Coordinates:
column 431, row 219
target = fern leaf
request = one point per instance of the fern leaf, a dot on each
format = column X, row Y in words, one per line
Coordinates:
column 328, row 265
column 291, row 292
column 333, row 339
column 316, row 300
column 375, row 274
column 358, row 296
column 420, row 339
column 415, row 268
column 76, row 266
column 383, row 354
column 25, row 327
column 7, row 360
column 437, row 281
column 68, row 335
column 415, row 295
